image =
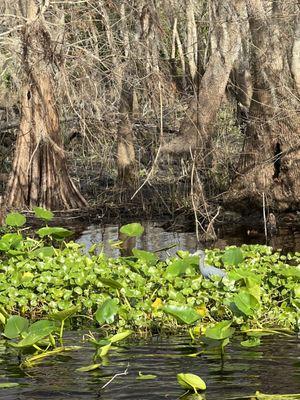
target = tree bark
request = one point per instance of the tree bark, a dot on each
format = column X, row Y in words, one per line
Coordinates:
column 39, row 175
column 200, row 116
column 270, row 164
column 125, row 151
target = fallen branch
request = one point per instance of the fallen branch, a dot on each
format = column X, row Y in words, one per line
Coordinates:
column 119, row 374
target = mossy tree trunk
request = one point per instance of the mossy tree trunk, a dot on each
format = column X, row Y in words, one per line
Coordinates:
column 269, row 169
column 39, row 175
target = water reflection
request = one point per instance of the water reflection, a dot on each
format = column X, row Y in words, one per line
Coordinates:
column 155, row 238
column 270, row 368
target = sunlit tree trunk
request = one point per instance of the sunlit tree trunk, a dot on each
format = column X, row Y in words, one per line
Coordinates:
column 39, row 174
column 270, row 165
column 226, row 41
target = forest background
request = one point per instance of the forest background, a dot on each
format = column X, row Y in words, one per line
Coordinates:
column 160, row 107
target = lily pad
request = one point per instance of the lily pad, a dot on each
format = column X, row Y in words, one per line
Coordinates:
column 132, row 230
column 220, row 331
column 88, row 368
column 145, row 377
column 191, row 382
column 107, row 311
column 184, row 314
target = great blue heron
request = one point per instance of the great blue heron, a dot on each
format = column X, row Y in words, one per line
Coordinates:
column 208, row 270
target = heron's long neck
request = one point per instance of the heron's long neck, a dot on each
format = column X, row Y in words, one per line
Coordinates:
column 201, row 260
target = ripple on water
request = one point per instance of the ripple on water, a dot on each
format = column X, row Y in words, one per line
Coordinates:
column 271, row 368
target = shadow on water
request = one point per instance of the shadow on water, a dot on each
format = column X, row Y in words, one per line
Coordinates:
column 274, row 367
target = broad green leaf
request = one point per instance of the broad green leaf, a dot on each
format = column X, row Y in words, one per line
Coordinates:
column 107, row 311
column 250, row 278
column 145, row 377
column 15, row 219
column 29, row 340
column 180, row 267
column 297, row 291
column 42, row 327
column 10, row 240
column 64, row 314
column 88, row 368
column 42, row 252
column 103, row 351
column 15, row 325
column 252, row 342
column 149, row 258
column 42, row 213
column 110, row 282
column 132, row 230
column 246, row 303
column 289, row 272
column 56, row 232
column 191, row 382
column 120, row 336
column 233, row 256
column 36, row 332
column 221, row 330
column 184, row 314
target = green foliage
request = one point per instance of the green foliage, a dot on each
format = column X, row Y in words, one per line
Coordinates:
column 56, row 232
column 8, row 385
column 191, row 382
column 132, row 230
column 144, row 293
column 184, row 314
column 42, row 213
column 145, row 377
column 149, row 258
column 220, row 331
column 252, row 342
column 15, row 219
column 246, row 302
column 233, row 256
column 89, row 368
column 15, row 325
column 64, row 314
column 107, row 311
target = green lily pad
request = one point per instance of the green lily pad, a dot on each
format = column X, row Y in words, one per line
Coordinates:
column 184, row 314
column 88, row 368
column 132, row 230
column 191, row 382
column 220, row 331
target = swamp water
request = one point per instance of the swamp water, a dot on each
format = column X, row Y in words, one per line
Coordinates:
column 273, row 367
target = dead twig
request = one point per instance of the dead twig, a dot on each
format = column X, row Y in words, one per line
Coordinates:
column 115, row 376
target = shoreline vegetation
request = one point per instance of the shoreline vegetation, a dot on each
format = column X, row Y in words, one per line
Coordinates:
column 49, row 284
column 157, row 108
column 47, row 273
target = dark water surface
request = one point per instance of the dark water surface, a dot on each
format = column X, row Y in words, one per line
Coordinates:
column 274, row 367
column 155, row 238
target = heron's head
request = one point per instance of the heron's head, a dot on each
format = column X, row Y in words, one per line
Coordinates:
column 201, row 254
